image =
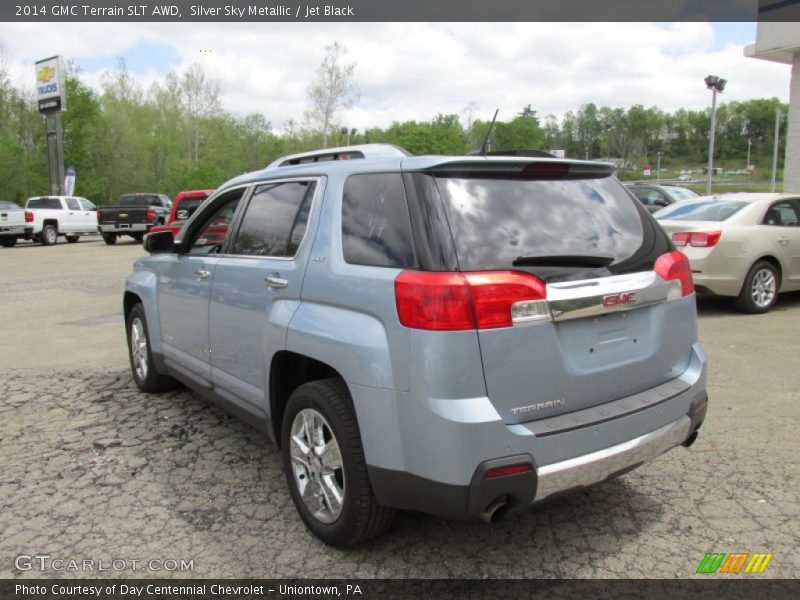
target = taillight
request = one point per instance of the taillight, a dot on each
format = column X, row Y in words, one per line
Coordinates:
column 99, row 216
column 28, row 216
column 150, row 214
column 477, row 300
column 674, row 266
column 698, row 239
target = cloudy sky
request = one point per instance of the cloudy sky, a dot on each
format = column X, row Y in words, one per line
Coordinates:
column 416, row 70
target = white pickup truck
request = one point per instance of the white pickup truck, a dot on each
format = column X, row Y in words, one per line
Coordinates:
column 70, row 216
column 14, row 224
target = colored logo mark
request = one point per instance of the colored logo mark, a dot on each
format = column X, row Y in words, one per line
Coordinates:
column 45, row 74
column 734, row 563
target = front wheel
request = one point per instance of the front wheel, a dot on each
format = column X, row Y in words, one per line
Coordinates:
column 760, row 290
column 110, row 239
column 49, row 235
column 73, row 238
column 145, row 374
column 324, row 464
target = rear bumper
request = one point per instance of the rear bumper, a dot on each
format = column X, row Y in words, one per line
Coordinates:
column 410, row 492
column 16, row 231
column 133, row 228
column 441, row 456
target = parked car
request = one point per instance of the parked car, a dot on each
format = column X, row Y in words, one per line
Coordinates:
column 134, row 215
column 455, row 335
column 742, row 245
column 54, row 216
column 183, row 207
column 656, row 197
column 15, row 223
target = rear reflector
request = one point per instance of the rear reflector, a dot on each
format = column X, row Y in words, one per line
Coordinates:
column 698, row 239
column 476, row 300
column 674, row 266
column 509, row 470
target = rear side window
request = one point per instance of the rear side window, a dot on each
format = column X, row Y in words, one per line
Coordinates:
column 275, row 219
column 558, row 229
column 72, row 204
column 376, row 228
column 51, row 203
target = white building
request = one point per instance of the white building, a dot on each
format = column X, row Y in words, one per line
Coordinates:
column 780, row 42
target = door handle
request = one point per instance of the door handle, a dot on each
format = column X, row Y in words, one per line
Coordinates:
column 783, row 240
column 275, row 282
column 202, row 274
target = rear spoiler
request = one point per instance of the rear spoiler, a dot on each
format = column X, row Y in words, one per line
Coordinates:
column 526, row 169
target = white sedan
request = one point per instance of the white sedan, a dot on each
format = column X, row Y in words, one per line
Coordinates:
column 742, row 245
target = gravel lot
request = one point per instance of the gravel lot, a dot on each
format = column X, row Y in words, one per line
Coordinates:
column 92, row 469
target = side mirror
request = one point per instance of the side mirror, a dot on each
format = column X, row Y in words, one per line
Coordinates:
column 159, row 242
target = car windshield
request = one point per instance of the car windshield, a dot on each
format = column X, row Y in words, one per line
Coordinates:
column 679, row 193
column 707, row 210
column 559, row 229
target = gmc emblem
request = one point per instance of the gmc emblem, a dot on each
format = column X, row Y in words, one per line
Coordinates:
column 619, row 299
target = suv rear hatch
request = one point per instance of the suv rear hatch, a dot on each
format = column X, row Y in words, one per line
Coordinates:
column 568, row 278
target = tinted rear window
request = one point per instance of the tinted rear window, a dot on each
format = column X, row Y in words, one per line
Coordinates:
column 140, row 200
column 187, row 207
column 376, row 228
column 495, row 222
column 52, row 203
column 711, row 210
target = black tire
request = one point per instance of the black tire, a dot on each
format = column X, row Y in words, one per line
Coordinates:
column 72, row 239
column 49, row 235
column 150, row 381
column 9, row 242
column 110, row 238
column 361, row 516
column 760, row 290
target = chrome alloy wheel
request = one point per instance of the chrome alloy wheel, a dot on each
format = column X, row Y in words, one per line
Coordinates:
column 763, row 288
column 317, row 465
column 50, row 235
column 139, row 348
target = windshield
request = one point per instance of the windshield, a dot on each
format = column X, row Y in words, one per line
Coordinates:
column 707, row 210
column 679, row 193
column 187, row 207
column 581, row 224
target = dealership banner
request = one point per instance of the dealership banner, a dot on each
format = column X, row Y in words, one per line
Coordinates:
column 391, row 589
column 407, row 10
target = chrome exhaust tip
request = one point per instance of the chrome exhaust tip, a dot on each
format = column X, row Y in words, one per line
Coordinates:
column 495, row 512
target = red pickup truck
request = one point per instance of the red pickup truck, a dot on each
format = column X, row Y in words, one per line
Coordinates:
column 183, row 207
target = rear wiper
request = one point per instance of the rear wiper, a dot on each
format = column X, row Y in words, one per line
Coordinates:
column 563, row 260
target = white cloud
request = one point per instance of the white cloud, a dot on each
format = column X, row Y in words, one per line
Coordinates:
column 415, row 70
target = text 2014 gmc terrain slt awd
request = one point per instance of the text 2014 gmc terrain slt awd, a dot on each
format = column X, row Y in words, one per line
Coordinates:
column 455, row 335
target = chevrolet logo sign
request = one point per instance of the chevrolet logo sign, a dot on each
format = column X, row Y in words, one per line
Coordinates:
column 45, row 74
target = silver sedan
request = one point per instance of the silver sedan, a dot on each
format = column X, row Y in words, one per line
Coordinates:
column 742, row 245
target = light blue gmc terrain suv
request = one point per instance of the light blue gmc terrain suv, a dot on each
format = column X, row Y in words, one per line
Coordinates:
column 458, row 335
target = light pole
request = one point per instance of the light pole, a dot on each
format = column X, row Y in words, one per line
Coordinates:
column 778, row 116
column 715, row 84
column 659, row 154
column 749, row 141
column 346, row 131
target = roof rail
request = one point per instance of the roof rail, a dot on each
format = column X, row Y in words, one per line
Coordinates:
column 341, row 153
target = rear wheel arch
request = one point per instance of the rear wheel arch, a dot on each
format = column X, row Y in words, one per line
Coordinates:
column 288, row 371
column 770, row 259
column 53, row 222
